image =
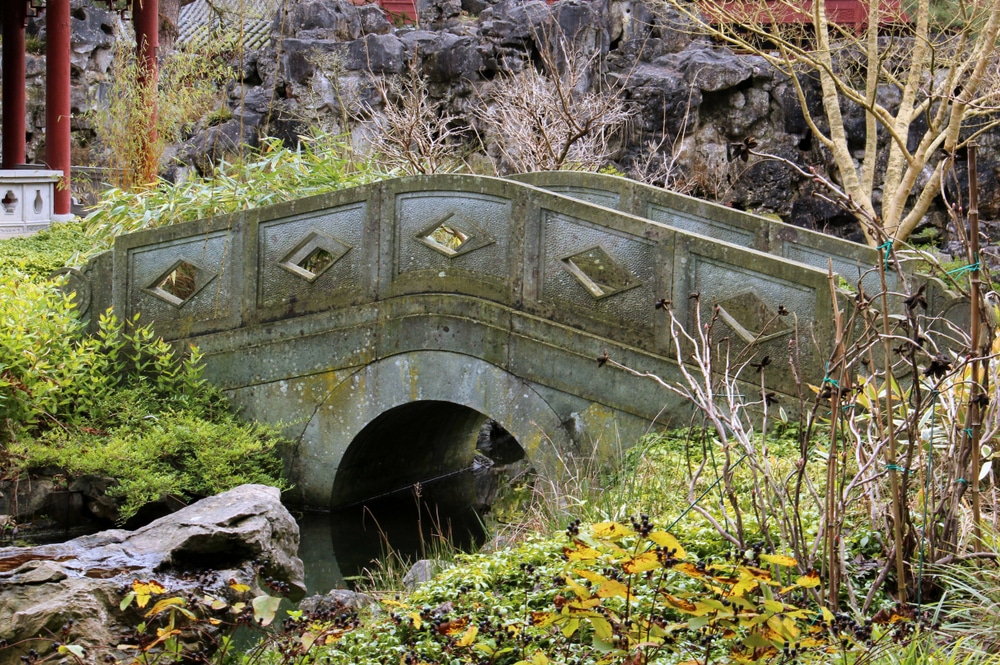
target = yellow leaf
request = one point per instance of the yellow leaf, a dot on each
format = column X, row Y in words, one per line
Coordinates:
column 544, row 618
column 162, row 605
column 581, row 591
column 689, row 569
column 809, row 580
column 667, row 541
column 570, row 627
column 452, row 628
column 602, row 629
column 580, row 552
column 579, row 605
column 237, row 587
column 773, row 606
column 215, row 603
column 612, row 588
column 469, row 636
column 590, row 575
column 642, row 563
column 143, row 590
column 610, row 530
column 415, row 618
column 779, row 560
column 681, row 604
column 747, row 582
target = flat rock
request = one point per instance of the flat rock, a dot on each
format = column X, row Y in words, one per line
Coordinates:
column 70, row 592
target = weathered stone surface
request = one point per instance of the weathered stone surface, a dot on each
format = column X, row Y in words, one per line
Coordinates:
column 318, row 19
column 44, row 588
column 379, row 54
column 422, row 571
column 335, row 600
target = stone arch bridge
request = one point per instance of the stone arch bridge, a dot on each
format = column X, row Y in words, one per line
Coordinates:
column 381, row 325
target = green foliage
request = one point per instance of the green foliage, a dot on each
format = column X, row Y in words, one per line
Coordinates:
column 120, row 403
column 187, row 88
column 611, row 594
column 52, row 374
column 271, row 175
column 184, row 454
column 34, row 45
column 38, row 255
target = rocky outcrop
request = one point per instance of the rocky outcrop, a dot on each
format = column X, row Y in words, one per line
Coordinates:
column 693, row 99
column 93, row 31
column 70, row 592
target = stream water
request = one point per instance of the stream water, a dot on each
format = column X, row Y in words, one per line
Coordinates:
column 337, row 548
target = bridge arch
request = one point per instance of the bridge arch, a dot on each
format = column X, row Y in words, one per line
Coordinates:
column 337, row 451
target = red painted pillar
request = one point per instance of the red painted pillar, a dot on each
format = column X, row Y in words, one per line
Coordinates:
column 13, row 83
column 57, row 105
column 145, row 19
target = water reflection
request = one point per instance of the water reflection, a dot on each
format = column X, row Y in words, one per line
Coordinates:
column 415, row 522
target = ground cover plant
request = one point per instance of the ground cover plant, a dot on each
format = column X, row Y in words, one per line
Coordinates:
column 120, row 404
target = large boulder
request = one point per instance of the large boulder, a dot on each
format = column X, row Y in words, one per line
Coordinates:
column 70, row 592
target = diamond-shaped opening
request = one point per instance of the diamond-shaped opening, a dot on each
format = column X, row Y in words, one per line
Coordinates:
column 598, row 272
column 450, row 239
column 180, row 282
column 447, row 239
column 317, row 261
column 313, row 255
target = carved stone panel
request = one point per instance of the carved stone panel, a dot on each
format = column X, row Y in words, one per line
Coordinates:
column 442, row 231
column 596, row 271
column 310, row 259
column 184, row 284
column 757, row 312
column 844, row 266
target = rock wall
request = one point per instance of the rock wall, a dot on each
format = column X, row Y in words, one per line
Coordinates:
column 693, row 99
column 93, row 30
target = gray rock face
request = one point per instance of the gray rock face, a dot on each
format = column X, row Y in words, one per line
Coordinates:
column 80, row 583
column 693, row 98
column 334, row 601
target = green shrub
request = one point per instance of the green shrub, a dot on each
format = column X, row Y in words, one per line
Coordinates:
column 182, row 453
column 38, row 255
column 52, row 374
column 270, row 175
column 120, row 403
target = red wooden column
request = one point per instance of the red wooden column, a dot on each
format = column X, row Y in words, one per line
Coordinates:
column 57, row 105
column 145, row 20
column 14, row 13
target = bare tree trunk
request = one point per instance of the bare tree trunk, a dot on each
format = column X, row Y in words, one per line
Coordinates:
column 170, row 13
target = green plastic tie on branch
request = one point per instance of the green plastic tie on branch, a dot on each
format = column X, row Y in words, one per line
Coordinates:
column 896, row 467
column 961, row 270
column 703, row 495
column 962, row 481
column 832, row 382
column 968, row 432
column 887, row 246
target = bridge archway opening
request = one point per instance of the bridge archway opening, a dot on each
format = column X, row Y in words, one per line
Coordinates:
column 417, row 474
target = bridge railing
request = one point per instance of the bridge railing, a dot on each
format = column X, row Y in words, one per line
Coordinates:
column 850, row 260
column 582, row 270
